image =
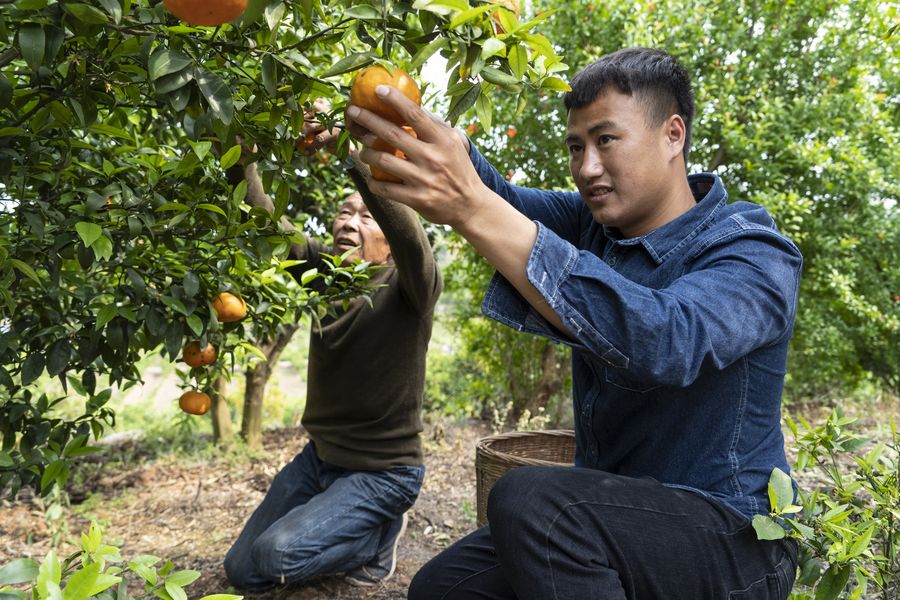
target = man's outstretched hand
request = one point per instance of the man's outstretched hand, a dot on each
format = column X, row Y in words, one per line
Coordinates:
column 439, row 181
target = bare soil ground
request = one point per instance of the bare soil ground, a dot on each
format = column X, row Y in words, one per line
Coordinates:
column 190, row 512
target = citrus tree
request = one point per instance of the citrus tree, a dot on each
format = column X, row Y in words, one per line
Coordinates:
column 118, row 224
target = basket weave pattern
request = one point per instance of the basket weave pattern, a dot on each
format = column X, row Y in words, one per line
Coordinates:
column 497, row 454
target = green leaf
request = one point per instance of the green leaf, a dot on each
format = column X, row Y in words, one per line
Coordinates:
column 25, row 269
column 191, row 284
column 114, row 8
column 470, row 15
column 88, row 232
column 58, row 357
column 781, row 490
column 175, row 591
column 102, row 247
column 273, row 13
column 86, row 13
column 463, row 102
column 217, row 94
column 5, row 461
column 201, row 149
column 196, row 324
column 441, row 7
column 175, row 304
column 556, row 84
column 861, row 544
column 221, row 597
column 32, row 368
column 21, row 570
column 87, row 582
column 56, row 472
column 833, row 582
column 426, row 52
column 492, row 47
column 183, row 578
column 165, row 62
column 31, row 4
column 484, row 110
column 231, row 157
column 766, row 528
column 106, row 314
column 6, row 91
column 498, row 77
column 212, row 208
column 49, row 574
column 363, row 12
column 349, row 63
column 32, row 44
column 253, row 350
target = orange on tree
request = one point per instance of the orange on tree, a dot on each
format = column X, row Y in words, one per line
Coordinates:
column 229, row 308
column 194, row 356
column 195, row 403
column 206, row 12
column 362, row 90
column 383, row 146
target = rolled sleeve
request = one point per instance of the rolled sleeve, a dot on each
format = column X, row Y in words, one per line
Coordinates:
column 549, row 266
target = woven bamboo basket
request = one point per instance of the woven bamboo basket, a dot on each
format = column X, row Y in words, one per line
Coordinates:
column 497, row 454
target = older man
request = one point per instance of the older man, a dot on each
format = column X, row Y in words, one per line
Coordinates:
column 340, row 505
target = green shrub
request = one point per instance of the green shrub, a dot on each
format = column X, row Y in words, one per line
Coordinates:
column 96, row 571
column 849, row 525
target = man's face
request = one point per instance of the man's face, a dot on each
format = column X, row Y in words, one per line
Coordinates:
column 620, row 164
column 355, row 227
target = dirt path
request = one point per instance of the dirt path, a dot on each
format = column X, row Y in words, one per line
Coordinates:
column 190, row 512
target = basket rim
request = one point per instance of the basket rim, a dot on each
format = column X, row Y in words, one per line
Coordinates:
column 484, row 450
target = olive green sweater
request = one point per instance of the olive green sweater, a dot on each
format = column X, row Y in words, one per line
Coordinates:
column 366, row 371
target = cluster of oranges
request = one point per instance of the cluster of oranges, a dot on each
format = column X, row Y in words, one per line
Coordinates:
column 229, row 309
column 362, row 94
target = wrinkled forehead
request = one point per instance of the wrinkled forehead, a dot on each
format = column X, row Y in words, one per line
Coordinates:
column 354, row 202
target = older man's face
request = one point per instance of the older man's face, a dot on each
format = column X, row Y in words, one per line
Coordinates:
column 354, row 227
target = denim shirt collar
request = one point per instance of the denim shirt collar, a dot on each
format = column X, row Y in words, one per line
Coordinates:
column 710, row 196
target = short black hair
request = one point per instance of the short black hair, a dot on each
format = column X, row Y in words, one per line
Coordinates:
column 653, row 76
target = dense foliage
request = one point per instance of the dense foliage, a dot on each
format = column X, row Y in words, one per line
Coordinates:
column 118, row 224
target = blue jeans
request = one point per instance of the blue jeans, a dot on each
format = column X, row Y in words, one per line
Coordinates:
column 318, row 519
column 582, row 534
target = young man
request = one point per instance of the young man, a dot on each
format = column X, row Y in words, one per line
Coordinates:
column 340, row 505
column 678, row 307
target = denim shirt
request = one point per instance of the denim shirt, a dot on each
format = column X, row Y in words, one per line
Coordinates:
column 681, row 336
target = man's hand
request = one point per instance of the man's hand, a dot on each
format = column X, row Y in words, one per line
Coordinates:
column 439, row 181
column 313, row 135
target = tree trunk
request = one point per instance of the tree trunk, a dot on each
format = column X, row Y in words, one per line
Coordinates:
column 256, row 379
column 223, row 432
column 553, row 376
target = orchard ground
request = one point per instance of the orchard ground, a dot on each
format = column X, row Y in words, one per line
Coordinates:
column 166, row 491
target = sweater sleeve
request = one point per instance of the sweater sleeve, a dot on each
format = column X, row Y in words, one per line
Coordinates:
column 420, row 279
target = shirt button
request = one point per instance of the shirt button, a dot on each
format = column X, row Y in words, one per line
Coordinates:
column 613, row 260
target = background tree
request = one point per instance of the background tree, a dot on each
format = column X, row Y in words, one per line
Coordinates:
column 118, row 224
column 798, row 110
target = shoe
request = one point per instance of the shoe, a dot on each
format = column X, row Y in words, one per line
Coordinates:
column 381, row 568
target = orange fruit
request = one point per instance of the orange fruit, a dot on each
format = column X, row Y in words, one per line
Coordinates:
column 383, row 146
column 194, row 356
column 195, row 403
column 304, row 143
column 206, row 12
column 229, row 308
column 362, row 90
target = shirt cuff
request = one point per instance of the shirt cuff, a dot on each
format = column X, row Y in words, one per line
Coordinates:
column 549, row 268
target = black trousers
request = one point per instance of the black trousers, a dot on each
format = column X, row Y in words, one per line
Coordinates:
column 582, row 534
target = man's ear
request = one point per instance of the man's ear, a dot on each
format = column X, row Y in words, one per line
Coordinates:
column 676, row 133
